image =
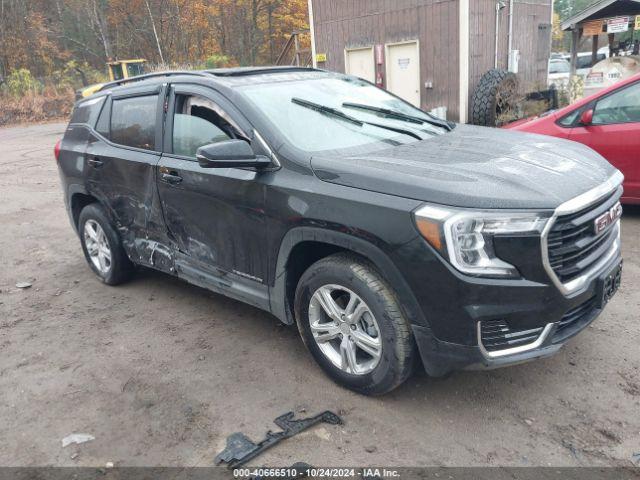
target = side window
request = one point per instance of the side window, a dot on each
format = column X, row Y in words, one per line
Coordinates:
column 133, row 121
column 134, row 69
column 569, row 119
column 197, row 121
column 87, row 111
column 104, row 120
column 116, row 70
column 620, row 107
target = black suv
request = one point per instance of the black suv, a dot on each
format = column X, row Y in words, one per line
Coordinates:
column 387, row 234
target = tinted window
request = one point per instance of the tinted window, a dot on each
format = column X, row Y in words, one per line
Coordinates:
column 620, row 107
column 133, row 121
column 87, row 111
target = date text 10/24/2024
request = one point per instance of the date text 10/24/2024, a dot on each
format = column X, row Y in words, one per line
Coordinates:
column 311, row 472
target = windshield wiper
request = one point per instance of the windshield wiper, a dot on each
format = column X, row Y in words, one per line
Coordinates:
column 334, row 112
column 398, row 115
column 327, row 110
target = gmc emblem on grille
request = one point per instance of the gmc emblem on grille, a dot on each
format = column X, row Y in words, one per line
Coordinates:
column 608, row 218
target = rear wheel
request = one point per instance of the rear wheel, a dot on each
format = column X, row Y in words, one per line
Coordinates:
column 102, row 246
column 352, row 324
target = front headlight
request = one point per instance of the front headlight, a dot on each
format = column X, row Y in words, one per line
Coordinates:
column 465, row 237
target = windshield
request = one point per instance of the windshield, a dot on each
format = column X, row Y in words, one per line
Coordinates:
column 307, row 112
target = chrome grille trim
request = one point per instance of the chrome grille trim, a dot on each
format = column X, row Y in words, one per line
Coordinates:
column 574, row 205
column 537, row 343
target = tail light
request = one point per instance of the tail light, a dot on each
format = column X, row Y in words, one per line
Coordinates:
column 56, row 149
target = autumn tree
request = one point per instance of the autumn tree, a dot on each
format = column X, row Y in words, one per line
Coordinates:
column 43, row 36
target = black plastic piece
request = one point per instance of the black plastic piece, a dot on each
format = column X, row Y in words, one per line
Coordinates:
column 241, row 449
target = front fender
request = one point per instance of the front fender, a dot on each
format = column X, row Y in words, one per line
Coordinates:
column 278, row 298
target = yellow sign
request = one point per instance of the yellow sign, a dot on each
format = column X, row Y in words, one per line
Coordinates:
column 594, row 27
column 637, row 22
column 321, row 57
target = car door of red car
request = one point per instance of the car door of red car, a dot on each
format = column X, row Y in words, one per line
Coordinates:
column 614, row 132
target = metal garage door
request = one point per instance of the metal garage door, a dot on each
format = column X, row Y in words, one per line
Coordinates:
column 403, row 71
column 360, row 62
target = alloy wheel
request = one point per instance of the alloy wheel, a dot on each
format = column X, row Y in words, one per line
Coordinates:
column 97, row 246
column 345, row 329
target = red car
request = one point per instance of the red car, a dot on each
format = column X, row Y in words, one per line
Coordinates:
column 608, row 122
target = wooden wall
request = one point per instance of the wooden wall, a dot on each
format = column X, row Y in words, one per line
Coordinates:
column 482, row 40
column 341, row 24
column 534, row 43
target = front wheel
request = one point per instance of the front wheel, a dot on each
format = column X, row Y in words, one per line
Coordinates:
column 351, row 322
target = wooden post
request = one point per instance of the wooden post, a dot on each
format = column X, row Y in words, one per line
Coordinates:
column 611, row 37
column 594, row 49
column 575, row 41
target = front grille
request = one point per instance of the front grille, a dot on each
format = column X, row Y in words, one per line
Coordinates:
column 573, row 246
column 497, row 335
column 575, row 320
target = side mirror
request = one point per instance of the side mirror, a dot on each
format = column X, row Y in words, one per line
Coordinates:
column 586, row 118
column 230, row 154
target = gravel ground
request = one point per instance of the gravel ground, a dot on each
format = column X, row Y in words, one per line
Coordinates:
column 160, row 372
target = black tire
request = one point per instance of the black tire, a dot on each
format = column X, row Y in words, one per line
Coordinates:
column 121, row 268
column 494, row 95
column 398, row 347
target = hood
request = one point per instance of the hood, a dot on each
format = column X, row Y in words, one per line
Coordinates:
column 474, row 167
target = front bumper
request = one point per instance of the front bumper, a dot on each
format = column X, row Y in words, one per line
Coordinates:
column 471, row 322
column 440, row 357
column 556, row 317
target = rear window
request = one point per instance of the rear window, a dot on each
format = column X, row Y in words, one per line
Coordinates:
column 133, row 121
column 87, row 111
column 586, row 61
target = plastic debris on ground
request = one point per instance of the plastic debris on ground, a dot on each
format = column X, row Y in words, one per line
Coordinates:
column 241, row 449
column 77, row 438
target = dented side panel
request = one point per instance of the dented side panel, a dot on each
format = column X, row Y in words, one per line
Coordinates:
column 216, row 217
column 125, row 184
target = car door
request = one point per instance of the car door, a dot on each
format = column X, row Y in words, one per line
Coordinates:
column 215, row 216
column 120, row 163
column 614, row 132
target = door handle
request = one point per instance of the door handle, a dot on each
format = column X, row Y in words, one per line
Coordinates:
column 95, row 162
column 172, row 177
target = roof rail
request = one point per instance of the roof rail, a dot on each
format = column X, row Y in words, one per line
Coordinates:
column 248, row 71
column 151, row 75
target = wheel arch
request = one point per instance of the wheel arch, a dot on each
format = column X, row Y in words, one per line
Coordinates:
column 312, row 244
column 78, row 199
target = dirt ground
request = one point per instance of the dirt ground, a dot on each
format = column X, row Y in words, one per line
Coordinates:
column 160, row 372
